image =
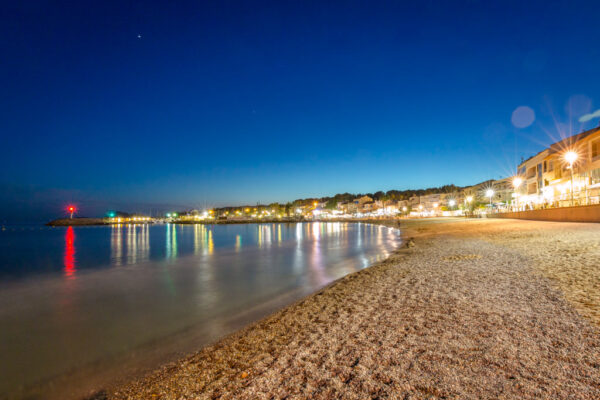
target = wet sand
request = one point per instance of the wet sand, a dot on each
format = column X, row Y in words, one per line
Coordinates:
column 472, row 309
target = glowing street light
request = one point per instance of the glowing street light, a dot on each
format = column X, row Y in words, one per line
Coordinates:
column 489, row 193
column 452, row 203
column 71, row 209
column 469, row 199
column 571, row 157
column 517, row 182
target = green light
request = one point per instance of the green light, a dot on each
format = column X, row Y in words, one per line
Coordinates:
column 112, row 214
column 168, row 215
column 174, row 214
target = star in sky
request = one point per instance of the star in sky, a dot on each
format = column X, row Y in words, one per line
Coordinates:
column 139, row 36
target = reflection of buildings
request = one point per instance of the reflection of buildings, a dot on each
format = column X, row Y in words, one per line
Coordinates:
column 203, row 240
column 137, row 243
column 171, row 241
column 131, row 244
column 116, row 244
column 265, row 235
column 238, row 242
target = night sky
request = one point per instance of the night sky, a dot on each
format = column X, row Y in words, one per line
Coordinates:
column 141, row 105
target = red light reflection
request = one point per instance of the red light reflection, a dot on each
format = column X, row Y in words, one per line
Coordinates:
column 69, row 259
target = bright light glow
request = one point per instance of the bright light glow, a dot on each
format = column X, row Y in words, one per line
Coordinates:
column 517, row 182
column 71, row 209
column 404, row 208
column 489, row 193
column 420, row 206
column 571, row 157
column 435, row 205
column 469, row 199
column 452, row 203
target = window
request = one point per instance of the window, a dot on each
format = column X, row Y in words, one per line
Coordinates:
column 558, row 173
column 595, row 149
column 595, row 176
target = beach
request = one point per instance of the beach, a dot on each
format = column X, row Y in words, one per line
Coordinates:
column 469, row 308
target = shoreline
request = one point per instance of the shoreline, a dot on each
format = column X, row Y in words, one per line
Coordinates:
column 306, row 348
column 102, row 222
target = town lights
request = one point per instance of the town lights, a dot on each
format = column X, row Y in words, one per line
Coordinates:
column 71, row 209
column 452, row 203
column 571, row 157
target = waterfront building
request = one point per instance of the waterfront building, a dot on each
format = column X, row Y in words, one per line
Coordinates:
column 552, row 179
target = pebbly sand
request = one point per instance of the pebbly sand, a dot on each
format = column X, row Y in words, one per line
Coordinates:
column 472, row 309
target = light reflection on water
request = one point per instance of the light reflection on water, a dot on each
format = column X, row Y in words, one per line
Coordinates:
column 92, row 298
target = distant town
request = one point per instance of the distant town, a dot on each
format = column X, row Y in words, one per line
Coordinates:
column 565, row 174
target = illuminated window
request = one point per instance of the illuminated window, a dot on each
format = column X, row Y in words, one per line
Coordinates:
column 595, row 176
column 595, row 149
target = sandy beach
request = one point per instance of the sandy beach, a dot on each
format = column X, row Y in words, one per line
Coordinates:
column 468, row 309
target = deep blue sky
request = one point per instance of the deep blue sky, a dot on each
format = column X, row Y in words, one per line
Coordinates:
column 237, row 102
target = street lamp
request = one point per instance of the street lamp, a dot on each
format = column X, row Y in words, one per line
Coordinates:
column 489, row 193
column 517, row 181
column 452, row 203
column 571, row 157
column 469, row 199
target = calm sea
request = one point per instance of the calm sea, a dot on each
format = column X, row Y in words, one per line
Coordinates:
column 84, row 307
